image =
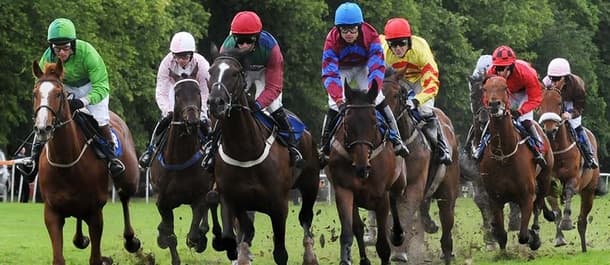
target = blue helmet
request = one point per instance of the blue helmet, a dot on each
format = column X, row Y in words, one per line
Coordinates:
column 348, row 14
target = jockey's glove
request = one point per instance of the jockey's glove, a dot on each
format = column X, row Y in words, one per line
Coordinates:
column 515, row 113
column 75, row 104
column 255, row 106
column 412, row 103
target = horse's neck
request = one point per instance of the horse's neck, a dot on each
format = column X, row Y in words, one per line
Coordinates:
column 407, row 127
column 180, row 143
column 503, row 133
column 563, row 138
column 242, row 133
column 67, row 143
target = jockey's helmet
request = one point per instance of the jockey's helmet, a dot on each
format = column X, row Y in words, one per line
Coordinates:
column 503, row 56
column 348, row 14
column 558, row 67
column 61, row 31
column 246, row 23
column 182, row 42
column 397, row 28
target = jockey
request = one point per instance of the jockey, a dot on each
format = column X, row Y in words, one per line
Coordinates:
column 572, row 89
column 265, row 72
column 404, row 50
column 525, row 95
column 181, row 60
column 353, row 53
column 85, row 77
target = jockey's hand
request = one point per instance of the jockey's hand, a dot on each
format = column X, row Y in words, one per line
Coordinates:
column 341, row 106
column 75, row 104
column 515, row 113
column 412, row 103
column 254, row 105
column 566, row 116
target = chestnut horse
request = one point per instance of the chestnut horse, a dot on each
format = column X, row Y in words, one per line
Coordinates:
column 73, row 181
column 365, row 173
column 177, row 172
column 568, row 168
column 508, row 170
column 252, row 169
column 426, row 178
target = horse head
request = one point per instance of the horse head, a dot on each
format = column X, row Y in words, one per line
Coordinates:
column 360, row 127
column 187, row 99
column 51, row 109
column 495, row 96
column 550, row 109
column 228, row 83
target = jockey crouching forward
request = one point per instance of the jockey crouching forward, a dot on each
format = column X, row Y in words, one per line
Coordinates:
column 265, row 72
column 86, row 78
column 403, row 50
column 353, row 53
column 525, row 96
column 181, row 60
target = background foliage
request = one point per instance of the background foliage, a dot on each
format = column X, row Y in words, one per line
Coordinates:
column 133, row 36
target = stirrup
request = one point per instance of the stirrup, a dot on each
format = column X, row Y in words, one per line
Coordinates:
column 401, row 150
column 116, row 167
column 145, row 159
column 296, row 158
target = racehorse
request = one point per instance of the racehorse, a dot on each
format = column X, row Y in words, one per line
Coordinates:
column 426, row 180
column 177, row 172
column 469, row 166
column 252, row 169
column 568, row 166
column 73, row 181
column 365, row 173
column 508, row 170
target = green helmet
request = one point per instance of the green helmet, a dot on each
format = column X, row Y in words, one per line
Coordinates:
column 61, row 30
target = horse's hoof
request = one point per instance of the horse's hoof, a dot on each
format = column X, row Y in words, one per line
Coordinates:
column 200, row 245
column 217, row 244
column 132, row 245
column 82, row 243
column 212, row 197
column 566, row 224
column 534, row 241
column 232, row 254
column 550, row 215
column 162, row 243
column 107, row 261
column 430, row 227
column 365, row 261
column 560, row 242
column 399, row 257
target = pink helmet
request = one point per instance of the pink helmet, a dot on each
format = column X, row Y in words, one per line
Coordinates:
column 182, row 42
column 558, row 67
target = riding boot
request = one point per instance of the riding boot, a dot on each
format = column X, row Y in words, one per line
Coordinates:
column 281, row 118
column 329, row 123
column 158, row 132
column 29, row 168
column 434, row 133
column 478, row 153
column 585, row 148
column 533, row 145
column 399, row 147
column 115, row 166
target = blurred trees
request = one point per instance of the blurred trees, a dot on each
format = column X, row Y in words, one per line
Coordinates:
column 133, row 36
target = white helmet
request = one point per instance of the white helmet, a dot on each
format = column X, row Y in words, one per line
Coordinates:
column 559, row 67
column 182, row 42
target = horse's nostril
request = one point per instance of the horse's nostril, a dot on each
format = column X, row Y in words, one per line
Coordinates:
column 48, row 128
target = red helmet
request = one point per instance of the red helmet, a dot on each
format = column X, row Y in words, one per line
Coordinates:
column 397, row 28
column 503, row 56
column 245, row 23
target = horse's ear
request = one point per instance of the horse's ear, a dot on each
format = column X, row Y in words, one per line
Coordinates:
column 36, row 69
column 373, row 91
column 59, row 70
column 214, row 53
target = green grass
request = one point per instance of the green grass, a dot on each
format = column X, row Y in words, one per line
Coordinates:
column 24, row 239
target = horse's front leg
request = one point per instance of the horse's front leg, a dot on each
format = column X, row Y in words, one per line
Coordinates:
column 446, row 208
column 358, row 228
column 199, row 227
column 55, row 225
column 278, row 221
column 344, row 199
column 569, row 190
column 382, row 246
column 429, row 225
column 526, row 206
column 227, row 240
column 132, row 243
column 80, row 241
column 497, row 224
column 166, row 237
column 96, row 226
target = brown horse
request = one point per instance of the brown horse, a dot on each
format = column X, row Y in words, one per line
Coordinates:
column 426, row 178
column 568, row 167
column 508, row 170
column 73, row 181
column 177, row 172
column 365, row 173
column 252, row 169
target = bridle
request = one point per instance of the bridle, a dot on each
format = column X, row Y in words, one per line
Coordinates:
column 350, row 144
column 240, row 85
column 56, row 122
column 185, row 109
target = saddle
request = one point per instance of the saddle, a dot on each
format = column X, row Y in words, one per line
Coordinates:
column 295, row 122
column 89, row 126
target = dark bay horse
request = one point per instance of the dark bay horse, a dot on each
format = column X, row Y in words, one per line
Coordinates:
column 73, row 181
column 427, row 179
column 568, row 168
column 365, row 173
column 177, row 173
column 252, row 169
column 508, row 170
